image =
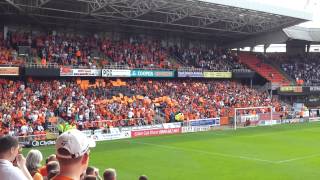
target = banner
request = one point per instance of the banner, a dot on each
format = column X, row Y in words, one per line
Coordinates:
column 65, row 71
column 155, row 126
column 252, row 118
column 111, row 136
column 116, row 73
column 189, row 74
column 202, row 122
column 171, row 125
column 188, row 129
column 217, row 74
column 314, row 88
column 151, row 73
column 295, row 89
column 9, row 71
column 43, row 143
column 155, row 132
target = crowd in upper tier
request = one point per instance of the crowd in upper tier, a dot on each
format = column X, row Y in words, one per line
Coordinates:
column 95, row 51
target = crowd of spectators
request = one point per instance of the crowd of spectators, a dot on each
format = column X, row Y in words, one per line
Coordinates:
column 96, row 51
column 302, row 68
column 28, row 107
column 86, row 51
column 138, row 53
column 216, row 59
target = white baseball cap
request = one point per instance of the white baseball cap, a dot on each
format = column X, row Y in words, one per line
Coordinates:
column 75, row 142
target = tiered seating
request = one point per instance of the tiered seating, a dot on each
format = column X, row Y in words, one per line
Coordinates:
column 265, row 70
column 212, row 59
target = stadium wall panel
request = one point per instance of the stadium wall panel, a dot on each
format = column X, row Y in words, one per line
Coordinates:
column 42, row 72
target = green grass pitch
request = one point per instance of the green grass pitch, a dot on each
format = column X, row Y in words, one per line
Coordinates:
column 281, row 152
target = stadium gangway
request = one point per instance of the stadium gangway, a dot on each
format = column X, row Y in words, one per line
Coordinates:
column 9, row 65
column 35, row 65
column 242, row 70
column 190, row 69
column 118, row 123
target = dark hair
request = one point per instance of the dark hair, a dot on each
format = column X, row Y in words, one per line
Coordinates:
column 7, row 142
column 90, row 177
column 53, row 166
column 143, row 177
column 109, row 174
column 90, row 170
column 52, row 173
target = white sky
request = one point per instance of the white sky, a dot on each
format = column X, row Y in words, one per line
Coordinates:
column 312, row 6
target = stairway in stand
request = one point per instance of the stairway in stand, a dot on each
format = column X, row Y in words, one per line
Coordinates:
column 265, row 70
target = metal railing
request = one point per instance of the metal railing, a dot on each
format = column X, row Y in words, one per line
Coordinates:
column 117, row 123
column 242, row 70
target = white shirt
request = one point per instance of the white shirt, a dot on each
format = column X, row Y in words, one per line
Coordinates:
column 24, row 129
column 9, row 172
column 130, row 114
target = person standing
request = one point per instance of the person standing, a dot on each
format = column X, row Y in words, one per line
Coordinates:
column 9, row 152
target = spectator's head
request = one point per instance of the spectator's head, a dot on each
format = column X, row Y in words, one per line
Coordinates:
column 33, row 160
column 50, row 158
column 143, row 177
column 53, row 166
column 90, row 170
column 72, row 150
column 9, row 148
column 110, row 174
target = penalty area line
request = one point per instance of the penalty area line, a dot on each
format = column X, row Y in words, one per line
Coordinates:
column 205, row 152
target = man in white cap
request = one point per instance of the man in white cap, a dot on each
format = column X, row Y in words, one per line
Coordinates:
column 72, row 151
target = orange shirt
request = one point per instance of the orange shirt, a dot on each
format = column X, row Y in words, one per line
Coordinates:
column 37, row 176
column 43, row 171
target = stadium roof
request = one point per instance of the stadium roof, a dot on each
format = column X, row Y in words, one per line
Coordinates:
column 227, row 20
column 281, row 36
column 301, row 33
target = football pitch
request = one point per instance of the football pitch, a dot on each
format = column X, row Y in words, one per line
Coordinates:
column 290, row 151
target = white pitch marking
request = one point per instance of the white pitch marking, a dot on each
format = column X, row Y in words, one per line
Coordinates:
column 206, row 152
column 298, row 158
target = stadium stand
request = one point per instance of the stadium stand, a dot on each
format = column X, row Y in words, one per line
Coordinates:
column 303, row 69
column 265, row 70
column 212, row 59
column 129, row 37
column 93, row 52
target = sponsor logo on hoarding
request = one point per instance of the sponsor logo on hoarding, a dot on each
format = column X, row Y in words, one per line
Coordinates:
column 155, row 132
column 217, row 74
column 172, row 125
column 116, row 73
column 65, row 71
column 202, row 122
column 43, row 143
column 295, row 89
column 188, row 129
column 151, row 73
column 314, row 88
column 111, row 136
column 189, row 74
column 9, row 71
